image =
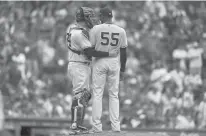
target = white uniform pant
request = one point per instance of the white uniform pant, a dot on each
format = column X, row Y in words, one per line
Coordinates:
column 80, row 75
column 106, row 68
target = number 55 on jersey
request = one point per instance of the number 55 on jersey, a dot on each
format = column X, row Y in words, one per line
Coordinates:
column 107, row 37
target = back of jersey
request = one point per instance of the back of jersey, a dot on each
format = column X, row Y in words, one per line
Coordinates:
column 107, row 37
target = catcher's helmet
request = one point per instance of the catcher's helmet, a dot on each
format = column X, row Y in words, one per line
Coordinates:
column 85, row 14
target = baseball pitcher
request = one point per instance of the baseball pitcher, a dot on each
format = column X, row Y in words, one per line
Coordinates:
column 79, row 57
column 107, row 37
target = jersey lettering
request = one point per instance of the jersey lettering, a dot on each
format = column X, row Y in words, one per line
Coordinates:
column 115, row 39
column 69, row 39
column 107, row 39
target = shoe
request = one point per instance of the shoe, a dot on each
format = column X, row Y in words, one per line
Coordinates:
column 79, row 130
column 75, row 127
column 93, row 130
column 82, row 128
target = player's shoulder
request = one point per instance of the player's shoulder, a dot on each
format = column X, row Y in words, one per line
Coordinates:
column 120, row 28
column 78, row 34
column 117, row 26
column 76, row 30
column 96, row 27
column 70, row 27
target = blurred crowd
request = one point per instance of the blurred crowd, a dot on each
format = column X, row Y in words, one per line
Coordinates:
column 164, row 84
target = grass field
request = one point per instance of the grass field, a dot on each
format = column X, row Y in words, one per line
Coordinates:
column 44, row 132
column 143, row 133
column 109, row 133
column 54, row 127
column 124, row 133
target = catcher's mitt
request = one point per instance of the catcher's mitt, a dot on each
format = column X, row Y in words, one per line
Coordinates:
column 85, row 97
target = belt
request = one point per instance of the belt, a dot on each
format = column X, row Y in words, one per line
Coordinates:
column 87, row 63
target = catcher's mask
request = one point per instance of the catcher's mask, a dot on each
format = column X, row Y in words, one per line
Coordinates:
column 87, row 15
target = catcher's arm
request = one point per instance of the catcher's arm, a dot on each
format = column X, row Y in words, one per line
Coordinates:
column 94, row 53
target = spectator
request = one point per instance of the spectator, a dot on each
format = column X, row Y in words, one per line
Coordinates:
column 32, row 40
column 184, row 122
column 195, row 56
column 177, row 75
column 202, row 113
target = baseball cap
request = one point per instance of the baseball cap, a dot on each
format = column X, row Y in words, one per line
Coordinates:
column 106, row 12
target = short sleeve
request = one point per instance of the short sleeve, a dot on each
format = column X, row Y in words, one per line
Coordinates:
column 70, row 27
column 124, row 40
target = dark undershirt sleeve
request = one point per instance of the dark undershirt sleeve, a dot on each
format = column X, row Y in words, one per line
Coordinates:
column 92, row 52
column 123, row 59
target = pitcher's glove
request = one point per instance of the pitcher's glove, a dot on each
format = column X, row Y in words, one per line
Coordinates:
column 85, row 97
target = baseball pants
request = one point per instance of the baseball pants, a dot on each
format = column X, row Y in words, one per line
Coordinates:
column 106, row 68
column 79, row 74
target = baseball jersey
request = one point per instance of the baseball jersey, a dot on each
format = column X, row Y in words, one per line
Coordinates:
column 77, row 40
column 108, row 37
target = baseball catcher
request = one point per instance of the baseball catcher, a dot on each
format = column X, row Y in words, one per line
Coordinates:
column 79, row 70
